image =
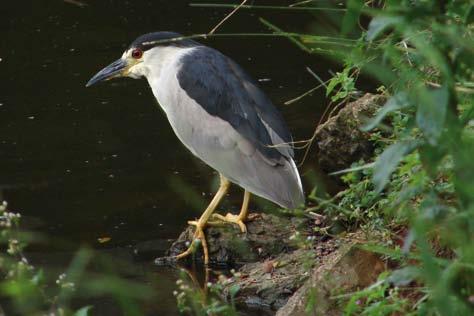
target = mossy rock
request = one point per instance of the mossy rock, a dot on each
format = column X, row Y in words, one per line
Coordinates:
column 267, row 235
column 347, row 270
column 340, row 141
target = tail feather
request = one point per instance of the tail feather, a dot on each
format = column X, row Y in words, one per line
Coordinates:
column 280, row 184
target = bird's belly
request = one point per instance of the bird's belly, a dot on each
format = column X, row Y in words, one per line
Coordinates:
column 208, row 137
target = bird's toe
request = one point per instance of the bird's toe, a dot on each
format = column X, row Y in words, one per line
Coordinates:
column 230, row 219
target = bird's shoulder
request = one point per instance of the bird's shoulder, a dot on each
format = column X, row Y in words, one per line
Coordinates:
column 224, row 89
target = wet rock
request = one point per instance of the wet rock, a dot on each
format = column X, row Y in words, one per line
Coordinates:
column 267, row 285
column 340, row 141
column 267, row 235
column 279, row 274
column 343, row 271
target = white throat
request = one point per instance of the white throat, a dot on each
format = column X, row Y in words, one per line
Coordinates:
column 160, row 67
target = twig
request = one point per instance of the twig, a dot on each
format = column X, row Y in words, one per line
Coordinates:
column 291, row 38
column 264, row 7
column 458, row 88
column 226, row 17
column 206, row 35
column 404, row 43
column 303, row 95
column 300, row 3
column 317, row 77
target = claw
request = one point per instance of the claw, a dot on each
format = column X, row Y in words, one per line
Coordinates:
column 203, row 220
column 233, row 219
column 198, row 236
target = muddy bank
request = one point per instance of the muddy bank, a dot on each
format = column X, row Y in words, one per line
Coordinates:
column 282, row 265
column 273, row 259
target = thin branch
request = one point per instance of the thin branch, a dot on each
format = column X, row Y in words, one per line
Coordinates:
column 264, row 7
column 301, row 2
column 310, row 91
column 322, row 39
column 317, row 77
column 226, row 17
column 458, row 88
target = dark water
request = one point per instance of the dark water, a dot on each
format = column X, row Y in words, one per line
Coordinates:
column 82, row 164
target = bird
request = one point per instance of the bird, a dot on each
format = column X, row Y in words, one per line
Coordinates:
column 221, row 115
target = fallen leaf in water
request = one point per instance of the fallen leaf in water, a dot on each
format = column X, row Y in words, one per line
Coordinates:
column 80, row 4
column 103, row 240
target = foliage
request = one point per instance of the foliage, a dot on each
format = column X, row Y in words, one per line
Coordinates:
column 377, row 299
column 32, row 290
column 423, row 176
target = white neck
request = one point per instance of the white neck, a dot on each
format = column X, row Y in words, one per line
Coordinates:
column 160, row 66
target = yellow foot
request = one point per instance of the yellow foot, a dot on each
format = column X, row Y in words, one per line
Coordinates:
column 230, row 218
column 199, row 236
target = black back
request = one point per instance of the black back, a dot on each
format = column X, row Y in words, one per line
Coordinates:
column 223, row 89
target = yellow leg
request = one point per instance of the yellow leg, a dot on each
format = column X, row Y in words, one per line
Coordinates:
column 201, row 223
column 237, row 219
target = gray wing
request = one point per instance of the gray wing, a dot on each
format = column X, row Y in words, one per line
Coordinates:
column 223, row 89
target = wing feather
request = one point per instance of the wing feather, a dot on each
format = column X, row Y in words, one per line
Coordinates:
column 223, row 89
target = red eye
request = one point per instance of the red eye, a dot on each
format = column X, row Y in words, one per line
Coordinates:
column 137, row 53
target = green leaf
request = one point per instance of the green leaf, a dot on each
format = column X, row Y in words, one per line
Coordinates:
column 431, row 156
column 404, row 276
column 351, row 17
column 432, row 208
column 352, row 169
column 396, row 102
column 431, row 113
column 389, row 160
column 84, row 311
column 234, row 289
column 379, row 24
column 344, row 81
column 333, row 83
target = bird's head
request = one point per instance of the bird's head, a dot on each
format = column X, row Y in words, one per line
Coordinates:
column 140, row 55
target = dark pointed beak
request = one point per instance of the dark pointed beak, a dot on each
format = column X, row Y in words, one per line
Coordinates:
column 113, row 70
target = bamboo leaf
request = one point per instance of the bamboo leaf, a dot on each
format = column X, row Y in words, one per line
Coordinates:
column 404, row 276
column 389, row 160
column 379, row 24
column 84, row 311
column 431, row 113
column 396, row 102
column 351, row 17
column 352, row 169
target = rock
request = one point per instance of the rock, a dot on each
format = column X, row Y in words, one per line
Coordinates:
column 266, row 286
column 340, row 141
column 267, row 235
column 279, row 273
column 343, row 271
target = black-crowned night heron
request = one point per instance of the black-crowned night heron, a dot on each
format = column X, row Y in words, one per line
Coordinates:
column 219, row 113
